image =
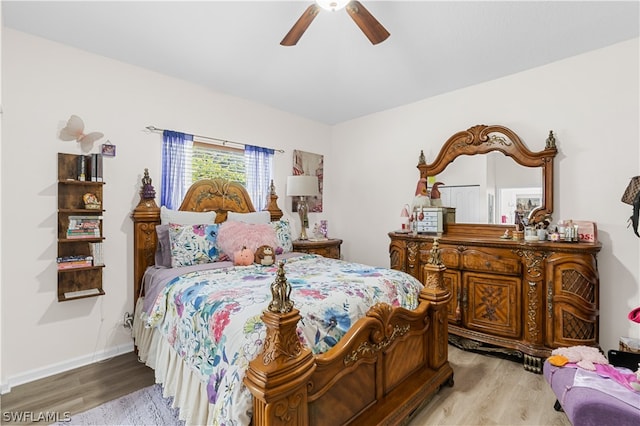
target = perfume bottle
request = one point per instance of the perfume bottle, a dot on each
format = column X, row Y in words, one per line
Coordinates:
column 323, row 230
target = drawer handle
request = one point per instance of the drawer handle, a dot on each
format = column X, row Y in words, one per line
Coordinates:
column 487, row 264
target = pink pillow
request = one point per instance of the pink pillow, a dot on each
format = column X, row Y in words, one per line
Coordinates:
column 232, row 236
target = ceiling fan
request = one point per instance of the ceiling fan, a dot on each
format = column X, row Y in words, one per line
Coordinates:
column 369, row 25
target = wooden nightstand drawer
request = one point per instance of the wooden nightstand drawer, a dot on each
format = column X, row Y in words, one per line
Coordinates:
column 326, row 248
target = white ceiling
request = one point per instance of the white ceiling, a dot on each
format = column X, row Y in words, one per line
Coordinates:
column 334, row 73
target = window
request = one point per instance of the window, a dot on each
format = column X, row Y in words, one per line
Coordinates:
column 185, row 161
column 212, row 160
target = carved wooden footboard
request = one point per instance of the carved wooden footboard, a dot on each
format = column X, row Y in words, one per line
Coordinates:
column 381, row 371
column 387, row 365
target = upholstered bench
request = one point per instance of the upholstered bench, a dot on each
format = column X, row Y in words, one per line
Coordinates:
column 593, row 401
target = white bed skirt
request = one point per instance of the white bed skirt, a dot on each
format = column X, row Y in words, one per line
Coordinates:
column 178, row 381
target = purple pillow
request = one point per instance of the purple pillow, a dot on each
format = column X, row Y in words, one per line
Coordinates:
column 163, row 251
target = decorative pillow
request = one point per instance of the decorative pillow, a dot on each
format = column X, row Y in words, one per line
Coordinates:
column 163, row 250
column 193, row 244
column 233, row 236
column 185, row 218
column 254, row 217
column 283, row 234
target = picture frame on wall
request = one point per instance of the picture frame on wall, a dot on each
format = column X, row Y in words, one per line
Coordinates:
column 108, row 149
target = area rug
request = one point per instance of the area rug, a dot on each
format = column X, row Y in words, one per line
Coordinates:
column 140, row 408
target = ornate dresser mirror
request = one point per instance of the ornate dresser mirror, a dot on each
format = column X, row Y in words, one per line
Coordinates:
column 512, row 164
column 510, row 295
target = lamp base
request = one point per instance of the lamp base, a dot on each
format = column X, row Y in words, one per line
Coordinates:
column 303, row 209
column 303, row 234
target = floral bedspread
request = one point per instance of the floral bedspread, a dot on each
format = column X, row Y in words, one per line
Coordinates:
column 212, row 318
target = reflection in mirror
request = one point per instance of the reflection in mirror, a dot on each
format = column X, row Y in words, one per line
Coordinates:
column 489, row 188
column 491, row 177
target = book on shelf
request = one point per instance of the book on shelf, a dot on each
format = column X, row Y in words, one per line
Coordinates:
column 76, row 261
column 99, row 167
column 85, row 217
column 82, row 167
column 98, row 254
column 95, row 161
column 79, row 221
column 83, row 233
column 74, row 265
column 84, row 226
column 74, row 258
column 81, row 293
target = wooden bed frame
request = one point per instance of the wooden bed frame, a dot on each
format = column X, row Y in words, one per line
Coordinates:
column 386, row 367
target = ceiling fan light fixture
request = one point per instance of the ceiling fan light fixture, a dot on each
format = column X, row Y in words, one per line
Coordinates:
column 332, row 5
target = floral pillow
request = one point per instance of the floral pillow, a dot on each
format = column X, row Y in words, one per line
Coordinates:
column 193, row 244
column 283, row 234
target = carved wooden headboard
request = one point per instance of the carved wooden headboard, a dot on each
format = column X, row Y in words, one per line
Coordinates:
column 219, row 195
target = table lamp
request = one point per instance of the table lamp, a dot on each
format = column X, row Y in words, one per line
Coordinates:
column 303, row 186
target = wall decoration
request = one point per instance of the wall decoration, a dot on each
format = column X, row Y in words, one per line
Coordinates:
column 74, row 130
column 306, row 163
column 108, row 149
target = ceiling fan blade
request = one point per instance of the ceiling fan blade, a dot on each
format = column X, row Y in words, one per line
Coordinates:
column 300, row 26
column 369, row 25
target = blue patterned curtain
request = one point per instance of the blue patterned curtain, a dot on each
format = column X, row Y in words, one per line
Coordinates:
column 259, row 172
column 176, row 164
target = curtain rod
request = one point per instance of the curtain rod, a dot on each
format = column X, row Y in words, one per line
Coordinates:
column 224, row 142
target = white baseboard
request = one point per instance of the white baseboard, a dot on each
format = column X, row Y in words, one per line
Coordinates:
column 41, row 373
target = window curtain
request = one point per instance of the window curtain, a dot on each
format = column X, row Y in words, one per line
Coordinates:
column 176, row 167
column 259, row 172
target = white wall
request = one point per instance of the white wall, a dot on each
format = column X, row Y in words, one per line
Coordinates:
column 43, row 84
column 589, row 101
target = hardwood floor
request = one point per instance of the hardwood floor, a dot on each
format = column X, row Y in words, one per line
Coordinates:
column 491, row 391
column 487, row 391
column 76, row 390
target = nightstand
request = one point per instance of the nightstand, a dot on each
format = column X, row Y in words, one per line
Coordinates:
column 326, row 248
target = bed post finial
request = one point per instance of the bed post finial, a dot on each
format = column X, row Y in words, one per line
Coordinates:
column 438, row 296
column 272, row 207
column 280, row 292
column 145, row 217
column 433, row 275
column 278, row 377
column 147, row 192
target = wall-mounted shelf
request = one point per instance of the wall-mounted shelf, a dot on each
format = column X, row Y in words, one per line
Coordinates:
column 80, row 235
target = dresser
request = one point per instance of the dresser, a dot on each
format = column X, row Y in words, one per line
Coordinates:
column 520, row 298
column 327, row 248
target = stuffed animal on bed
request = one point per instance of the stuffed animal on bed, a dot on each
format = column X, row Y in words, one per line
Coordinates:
column 243, row 257
column 265, row 255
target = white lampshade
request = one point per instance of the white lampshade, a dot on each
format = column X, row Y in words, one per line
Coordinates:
column 302, row 185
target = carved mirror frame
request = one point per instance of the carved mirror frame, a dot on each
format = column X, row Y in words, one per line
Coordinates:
column 482, row 139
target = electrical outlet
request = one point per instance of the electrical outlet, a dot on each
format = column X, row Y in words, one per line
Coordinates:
column 127, row 321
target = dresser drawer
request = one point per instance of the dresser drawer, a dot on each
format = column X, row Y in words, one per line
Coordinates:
column 450, row 256
column 496, row 261
column 325, row 248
